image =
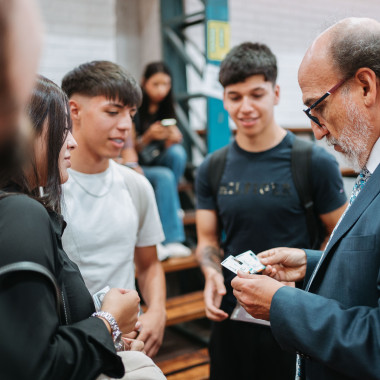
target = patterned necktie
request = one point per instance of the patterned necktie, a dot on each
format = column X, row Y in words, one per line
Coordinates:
column 363, row 177
column 361, row 180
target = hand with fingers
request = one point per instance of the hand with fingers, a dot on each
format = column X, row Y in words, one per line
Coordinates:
column 284, row 264
column 156, row 132
column 213, row 294
column 133, row 344
column 255, row 292
column 123, row 305
column 152, row 330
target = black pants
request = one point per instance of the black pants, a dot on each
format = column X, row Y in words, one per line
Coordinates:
column 240, row 350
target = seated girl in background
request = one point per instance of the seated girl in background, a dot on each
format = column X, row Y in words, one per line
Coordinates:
column 36, row 343
column 160, row 154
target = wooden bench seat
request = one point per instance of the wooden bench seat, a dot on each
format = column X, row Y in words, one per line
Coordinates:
column 189, row 218
column 194, row 365
column 184, row 308
column 187, row 307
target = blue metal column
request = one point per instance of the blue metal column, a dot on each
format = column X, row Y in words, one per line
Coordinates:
column 217, row 46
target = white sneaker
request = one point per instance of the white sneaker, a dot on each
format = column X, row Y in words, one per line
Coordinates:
column 181, row 213
column 177, row 250
column 162, row 252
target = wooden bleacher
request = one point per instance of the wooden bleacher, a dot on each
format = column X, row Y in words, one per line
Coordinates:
column 175, row 264
column 185, row 307
column 180, row 309
column 189, row 366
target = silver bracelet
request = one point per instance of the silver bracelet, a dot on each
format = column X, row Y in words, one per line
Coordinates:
column 132, row 164
column 116, row 333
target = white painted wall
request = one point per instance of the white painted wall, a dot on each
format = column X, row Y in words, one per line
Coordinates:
column 77, row 31
column 289, row 27
column 138, row 34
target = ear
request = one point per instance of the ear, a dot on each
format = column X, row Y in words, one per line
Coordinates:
column 74, row 110
column 276, row 94
column 366, row 79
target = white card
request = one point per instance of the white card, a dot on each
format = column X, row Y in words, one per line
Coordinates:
column 98, row 297
column 246, row 262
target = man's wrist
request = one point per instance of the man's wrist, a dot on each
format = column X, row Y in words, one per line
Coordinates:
column 210, row 271
column 157, row 308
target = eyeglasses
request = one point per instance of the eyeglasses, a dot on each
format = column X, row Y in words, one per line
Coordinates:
column 321, row 99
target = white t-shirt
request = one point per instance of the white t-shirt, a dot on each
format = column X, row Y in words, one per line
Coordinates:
column 107, row 215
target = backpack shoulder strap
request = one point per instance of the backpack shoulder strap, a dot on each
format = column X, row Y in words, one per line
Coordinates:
column 215, row 169
column 302, row 177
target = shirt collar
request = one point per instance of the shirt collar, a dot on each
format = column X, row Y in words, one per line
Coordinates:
column 374, row 157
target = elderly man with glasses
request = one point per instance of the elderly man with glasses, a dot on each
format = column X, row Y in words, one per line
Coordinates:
column 334, row 323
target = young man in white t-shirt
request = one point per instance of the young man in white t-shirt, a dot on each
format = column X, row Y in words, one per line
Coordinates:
column 113, row 222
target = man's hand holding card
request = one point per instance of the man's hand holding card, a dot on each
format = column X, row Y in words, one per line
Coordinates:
column 254, row 292
column 246, row 262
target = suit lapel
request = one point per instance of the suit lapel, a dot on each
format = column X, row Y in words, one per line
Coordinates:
column 363, row 200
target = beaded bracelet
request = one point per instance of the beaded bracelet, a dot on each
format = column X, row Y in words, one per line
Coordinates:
column 116, row 333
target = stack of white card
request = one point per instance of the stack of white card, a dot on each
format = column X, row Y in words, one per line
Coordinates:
column 245, row 262
column 98, row 297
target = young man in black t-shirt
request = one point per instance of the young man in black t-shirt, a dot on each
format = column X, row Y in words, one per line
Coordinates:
column 257, row 207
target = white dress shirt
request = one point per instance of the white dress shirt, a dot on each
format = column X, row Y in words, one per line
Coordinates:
column 374, row 157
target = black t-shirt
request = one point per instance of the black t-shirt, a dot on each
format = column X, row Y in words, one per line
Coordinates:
column 258, row 204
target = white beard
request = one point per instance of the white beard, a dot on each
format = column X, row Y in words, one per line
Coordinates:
column 354, row 139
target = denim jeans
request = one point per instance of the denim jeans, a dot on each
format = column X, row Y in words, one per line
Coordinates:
column 175, row 159
column 164, row 178
column 165, row 189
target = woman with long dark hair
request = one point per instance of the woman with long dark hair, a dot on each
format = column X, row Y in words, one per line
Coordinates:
column 45, row 334
column 163, row 158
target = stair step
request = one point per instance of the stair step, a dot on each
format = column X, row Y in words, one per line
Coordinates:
column 185, row 186
column 187, row 307
column 194, row 365
column 189, row 217
column 201, row 372
column 184, row 308
column 174, row 264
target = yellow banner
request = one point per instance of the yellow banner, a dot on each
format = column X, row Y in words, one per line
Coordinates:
column 218, row 40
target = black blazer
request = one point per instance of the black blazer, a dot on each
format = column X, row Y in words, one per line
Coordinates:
column 33, row 344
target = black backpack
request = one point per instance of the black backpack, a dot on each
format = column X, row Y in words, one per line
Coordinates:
column 301, row 172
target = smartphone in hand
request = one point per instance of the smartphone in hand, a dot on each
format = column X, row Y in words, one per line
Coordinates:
column 168, row 122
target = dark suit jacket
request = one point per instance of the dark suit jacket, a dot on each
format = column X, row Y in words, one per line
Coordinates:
column 336, row 325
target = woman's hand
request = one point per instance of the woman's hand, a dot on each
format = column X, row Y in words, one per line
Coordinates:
column 133, row 344
column 123, row 305
column 175, row 136
column 156, row 131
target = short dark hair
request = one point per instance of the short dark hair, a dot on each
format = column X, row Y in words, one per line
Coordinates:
column 352, row 49
column 103, row 78
column 245, row 60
